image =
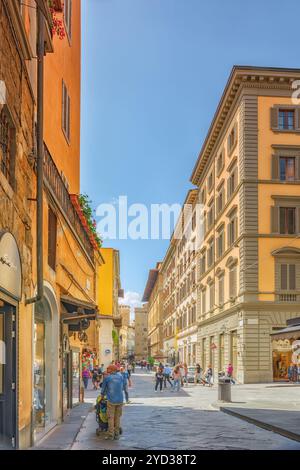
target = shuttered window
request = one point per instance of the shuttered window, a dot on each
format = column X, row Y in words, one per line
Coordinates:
column 221, row 290
column 232, row 231
column 233, row 281
column 232, row 182
column 52, row 238
column 7, row 145
column 232, row 140
column 66, row 112
column 287, row 220
column 285, row 119
column 220, row 243
column 288, row 277
column 68, row 17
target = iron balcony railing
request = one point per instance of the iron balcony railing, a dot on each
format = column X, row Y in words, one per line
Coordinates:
column 57, row 187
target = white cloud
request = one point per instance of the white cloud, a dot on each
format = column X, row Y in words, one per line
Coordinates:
column 133, row 299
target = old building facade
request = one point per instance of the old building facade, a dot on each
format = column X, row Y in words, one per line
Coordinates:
column 141, row 333
column 248, row 264
column 153, row 295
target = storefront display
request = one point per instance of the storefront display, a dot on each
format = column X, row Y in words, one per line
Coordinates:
column 76, row 377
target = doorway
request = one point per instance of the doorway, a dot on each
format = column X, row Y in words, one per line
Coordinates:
column 234, row 355
column 8, row 402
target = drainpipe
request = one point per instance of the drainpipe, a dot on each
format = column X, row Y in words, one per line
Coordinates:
column 40, row 159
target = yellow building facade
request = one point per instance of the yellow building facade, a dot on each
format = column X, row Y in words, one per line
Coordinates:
column 248, row 262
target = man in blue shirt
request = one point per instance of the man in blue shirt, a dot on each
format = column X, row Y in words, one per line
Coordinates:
column 167, row 374
column 113, row 387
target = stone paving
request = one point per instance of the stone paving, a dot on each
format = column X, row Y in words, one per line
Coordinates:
column 186, row 420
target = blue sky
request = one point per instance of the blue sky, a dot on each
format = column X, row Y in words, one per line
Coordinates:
column 152, row 75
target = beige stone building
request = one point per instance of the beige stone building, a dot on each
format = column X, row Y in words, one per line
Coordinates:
column 153, row 294
column 141, row 333
column 249, row 261
column 124, row 311
column 178, row 272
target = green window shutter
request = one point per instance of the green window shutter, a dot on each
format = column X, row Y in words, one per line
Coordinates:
column 283, row 277
column 275, row 167
column 292, row 277
column 274, row 118
column 274, row 219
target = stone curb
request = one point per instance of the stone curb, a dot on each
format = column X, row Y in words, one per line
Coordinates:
column 261, row 424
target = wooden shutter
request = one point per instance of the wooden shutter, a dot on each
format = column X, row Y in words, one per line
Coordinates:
column 232, row 282
column 283, row 277
column 274, row 219
column 298, row 220
column 68, row 117
column 228, row 189
column 274, row 118
column 228, row 236
column 235, row 228
column 275, row 167
column 70, row 19
column 292, row 277
column 297, row 112
column 297, row 168
column 63, row 106
column 52, row 237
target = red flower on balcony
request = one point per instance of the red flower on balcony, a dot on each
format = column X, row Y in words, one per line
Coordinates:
column 84, row 211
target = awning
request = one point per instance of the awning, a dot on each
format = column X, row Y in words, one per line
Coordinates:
column 291, row 332
column 77, row 313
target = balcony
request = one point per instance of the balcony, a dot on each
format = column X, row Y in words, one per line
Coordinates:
column 56, row 186
column 288, row 297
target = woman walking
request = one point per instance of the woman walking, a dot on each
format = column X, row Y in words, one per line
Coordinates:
column 85, row 377
column 177, row 379
column 159, row 377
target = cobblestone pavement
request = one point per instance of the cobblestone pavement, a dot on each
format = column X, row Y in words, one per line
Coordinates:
column 182, row 421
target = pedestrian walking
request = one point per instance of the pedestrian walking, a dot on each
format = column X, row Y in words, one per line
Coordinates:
column 167, row 374
column 209, row 375
column 113, row 388
column 185, row 374
column 198, row 373
column 159, row 377
column 229, row 372
column 127, row 381
column 85, row 376
column 176, row 378
column 95, row 380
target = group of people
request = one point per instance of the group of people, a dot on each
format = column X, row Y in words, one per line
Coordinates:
column 96, row 374
column 179, row 375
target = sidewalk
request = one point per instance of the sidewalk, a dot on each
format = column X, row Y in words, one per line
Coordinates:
column 63, row 435
column 275, row 407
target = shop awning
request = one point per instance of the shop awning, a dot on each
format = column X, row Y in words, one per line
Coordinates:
column 291, row 332
column 77, row 313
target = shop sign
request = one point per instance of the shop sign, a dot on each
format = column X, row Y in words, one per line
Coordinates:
column 213, row 346
column 282, row 345
column 10, row 265
column 107, row 351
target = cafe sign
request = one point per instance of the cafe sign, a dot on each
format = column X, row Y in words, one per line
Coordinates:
column 10, row 266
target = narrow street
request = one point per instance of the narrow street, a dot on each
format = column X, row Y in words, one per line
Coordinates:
column 171, row 421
